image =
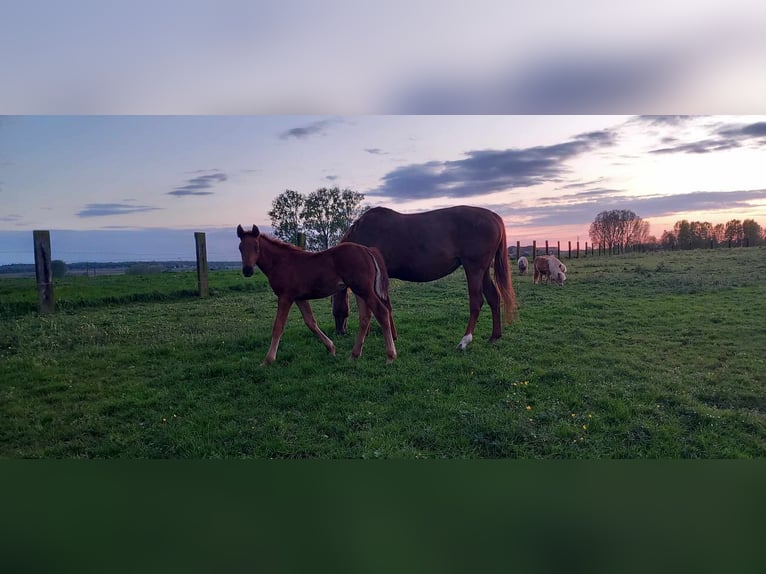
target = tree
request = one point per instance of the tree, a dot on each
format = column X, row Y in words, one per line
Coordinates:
column 324, row 215
column 752, row 232
column 668, row 240
column 683, row 232
column 719, row 233
column 733, row 231
column 286, row 215
column 327, row 215
column 618, row 229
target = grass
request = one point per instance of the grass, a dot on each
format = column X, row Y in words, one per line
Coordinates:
column 638, row 356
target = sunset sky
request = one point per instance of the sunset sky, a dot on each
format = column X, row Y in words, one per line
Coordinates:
column 547, row 176
column 125, row 126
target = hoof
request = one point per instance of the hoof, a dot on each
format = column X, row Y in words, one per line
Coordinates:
column 464, row 342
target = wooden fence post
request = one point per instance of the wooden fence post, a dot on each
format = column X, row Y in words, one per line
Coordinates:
column 534, row 249
column 570, row 250
column 578, row 249
column 199, row 240
column 44, row 270
column 558, row 249
column 301, row 240
column 518, row 248
column 546, row 247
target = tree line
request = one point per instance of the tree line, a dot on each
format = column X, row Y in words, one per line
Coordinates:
column 620, row 229
column 324, row 215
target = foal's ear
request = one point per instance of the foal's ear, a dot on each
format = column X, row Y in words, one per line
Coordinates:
column 255, row 231
column 240, row 231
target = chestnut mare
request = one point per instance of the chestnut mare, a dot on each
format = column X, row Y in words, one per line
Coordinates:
column 296, row 276
column 429, row 245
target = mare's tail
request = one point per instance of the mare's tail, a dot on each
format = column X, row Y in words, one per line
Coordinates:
column 504, row 282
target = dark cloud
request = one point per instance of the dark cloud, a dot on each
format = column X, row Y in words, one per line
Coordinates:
column 577, row 81
column 375, row 151
column 11, row 218
column 595, row 194
column 302, row 132
column 722, row 138
column 332, row 177
column 488, row 171
column 754, row 130
column 199, row 185
column 103, row 209
column 568, row 212
column 581, row 184
column 703, row 146
column 660, row 121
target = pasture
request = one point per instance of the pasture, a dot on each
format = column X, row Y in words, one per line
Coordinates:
column 637, row 356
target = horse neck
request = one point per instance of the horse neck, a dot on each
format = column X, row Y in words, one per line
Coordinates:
column 271, row 254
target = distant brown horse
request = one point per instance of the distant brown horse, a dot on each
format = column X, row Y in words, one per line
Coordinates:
column 427, row 246
column 296, row 276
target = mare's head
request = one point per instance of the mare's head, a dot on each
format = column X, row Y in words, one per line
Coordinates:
column 249, row 248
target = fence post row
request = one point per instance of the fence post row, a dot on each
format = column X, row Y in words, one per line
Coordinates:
column 202, row 285
column 44, row 270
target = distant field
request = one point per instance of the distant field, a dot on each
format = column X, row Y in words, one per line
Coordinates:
column 638, row 356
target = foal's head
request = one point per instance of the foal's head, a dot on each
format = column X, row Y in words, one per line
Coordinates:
column 249, row 248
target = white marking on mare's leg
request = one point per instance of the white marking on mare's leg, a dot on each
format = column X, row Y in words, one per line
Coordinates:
column 464, row 342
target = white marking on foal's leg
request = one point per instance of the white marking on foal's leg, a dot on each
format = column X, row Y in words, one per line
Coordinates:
column 464, row 342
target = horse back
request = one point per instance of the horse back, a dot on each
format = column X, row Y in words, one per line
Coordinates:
column 429, row 245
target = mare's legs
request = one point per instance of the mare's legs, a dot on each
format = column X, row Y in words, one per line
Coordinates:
column 283, row 309
column 340, row 310
column 475, row 301
column 311, row 323
column 493, row 298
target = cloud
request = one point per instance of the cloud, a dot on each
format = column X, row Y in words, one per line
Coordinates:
column 488, row 171
column 318, row 127
column 569, row 211
column 576, row 80
column 660, row 121
column 332, row 177
column 746, row 131
column 10, row 218
column 104, row 209
column 199, row 185
column 725, row 137
column 375, row 151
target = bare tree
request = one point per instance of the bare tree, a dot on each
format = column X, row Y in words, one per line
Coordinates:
column 618, row 229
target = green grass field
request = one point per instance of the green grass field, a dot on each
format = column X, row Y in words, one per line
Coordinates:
column 638, row 356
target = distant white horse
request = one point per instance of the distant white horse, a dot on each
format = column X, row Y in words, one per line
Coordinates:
column 550, row 268
column 523, row 265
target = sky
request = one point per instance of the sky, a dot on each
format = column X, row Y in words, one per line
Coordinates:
column 136, row 187
column 125, row 126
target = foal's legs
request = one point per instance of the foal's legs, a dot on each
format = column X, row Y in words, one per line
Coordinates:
column 386, row 320
column 364, row 327
column 283, row 309
column 380, row 309
column 311, row 323
column 493, row 298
